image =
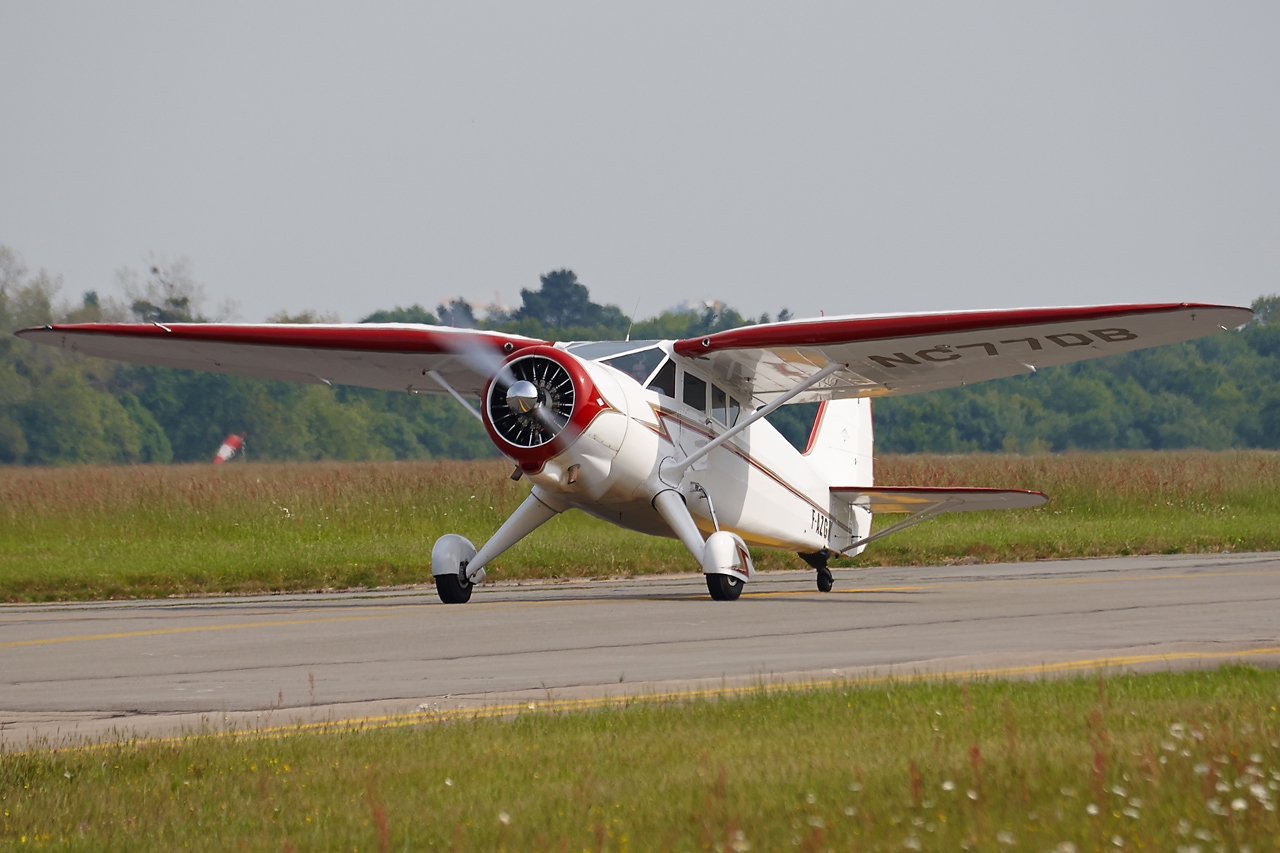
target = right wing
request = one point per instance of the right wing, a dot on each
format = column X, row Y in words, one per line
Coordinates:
column 909, row 353
column 391, row 356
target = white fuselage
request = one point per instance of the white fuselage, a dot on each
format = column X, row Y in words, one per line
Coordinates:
column 761, row 487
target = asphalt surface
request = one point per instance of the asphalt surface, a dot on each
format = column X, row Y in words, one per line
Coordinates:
column 76, row 671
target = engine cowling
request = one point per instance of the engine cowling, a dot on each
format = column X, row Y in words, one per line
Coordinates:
column 567, row 403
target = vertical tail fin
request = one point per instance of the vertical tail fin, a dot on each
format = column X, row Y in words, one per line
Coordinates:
column 840, row 450
column 839, row 445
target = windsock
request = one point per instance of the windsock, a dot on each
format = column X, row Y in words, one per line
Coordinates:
column 228, row 449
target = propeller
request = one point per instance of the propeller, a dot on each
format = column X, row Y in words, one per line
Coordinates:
column 530, row 399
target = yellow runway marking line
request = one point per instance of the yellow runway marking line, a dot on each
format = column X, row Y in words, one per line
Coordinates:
column 386, row 721
column 188, row 629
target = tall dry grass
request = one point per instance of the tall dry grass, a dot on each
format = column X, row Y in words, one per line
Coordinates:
column 92, row 532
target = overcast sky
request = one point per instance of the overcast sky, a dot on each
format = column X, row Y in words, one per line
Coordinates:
column 833, row 157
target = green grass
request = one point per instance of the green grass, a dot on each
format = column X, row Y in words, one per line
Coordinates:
column 1146, row 762
column 87, row 532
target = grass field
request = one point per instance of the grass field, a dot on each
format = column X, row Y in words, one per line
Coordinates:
column 1162, row 762
column 77, row 533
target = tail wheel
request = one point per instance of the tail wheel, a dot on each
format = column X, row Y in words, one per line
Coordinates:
column 452, row 589
column 825, row 580
column 724, row 587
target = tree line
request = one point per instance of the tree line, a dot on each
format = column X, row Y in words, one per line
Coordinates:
column 59, row 408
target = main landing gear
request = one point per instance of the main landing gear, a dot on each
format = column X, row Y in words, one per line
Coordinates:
column 724, row 587
column 723, row 556
column 452, row 589
column 458, row 567
column 818, row 560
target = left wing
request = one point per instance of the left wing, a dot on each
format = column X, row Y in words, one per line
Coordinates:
column 392, row 356
column 909, row 353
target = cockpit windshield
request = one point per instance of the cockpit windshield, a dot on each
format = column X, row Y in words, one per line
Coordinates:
column 638, row 365
column 601, row 350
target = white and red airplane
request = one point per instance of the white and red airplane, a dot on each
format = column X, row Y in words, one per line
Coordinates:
column 669, row 437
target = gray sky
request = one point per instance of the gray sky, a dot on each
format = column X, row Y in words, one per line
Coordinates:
column 825, row 157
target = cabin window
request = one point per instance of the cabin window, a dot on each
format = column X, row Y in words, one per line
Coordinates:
column 719, row 404
column 638, row 365
column 734, row 410
column 665, row 380
column 695, row 392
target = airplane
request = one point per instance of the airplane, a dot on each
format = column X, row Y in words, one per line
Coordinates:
column 669, row 437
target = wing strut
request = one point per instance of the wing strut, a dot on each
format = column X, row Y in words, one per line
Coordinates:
column 439, row 380
column 677, row 469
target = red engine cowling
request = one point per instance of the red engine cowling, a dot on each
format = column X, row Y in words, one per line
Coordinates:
column 568, row 401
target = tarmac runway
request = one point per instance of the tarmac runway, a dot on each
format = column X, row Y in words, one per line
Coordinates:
column 75, row 671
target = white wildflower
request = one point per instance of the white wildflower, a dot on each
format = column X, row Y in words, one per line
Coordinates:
column 1239, row 804
column 1092, row 808
column 504, row 818
column 1004, row 836
column 948, row 785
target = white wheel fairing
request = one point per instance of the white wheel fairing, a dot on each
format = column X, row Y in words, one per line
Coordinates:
column 449, row 553
column 726, row 554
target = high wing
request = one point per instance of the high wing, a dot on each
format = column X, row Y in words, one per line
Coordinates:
column 392, row 356
column 909, row 353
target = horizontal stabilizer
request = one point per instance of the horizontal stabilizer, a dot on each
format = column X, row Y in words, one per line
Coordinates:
column 923, row 503
column 952, row 499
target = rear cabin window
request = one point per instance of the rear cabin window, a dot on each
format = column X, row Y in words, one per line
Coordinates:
column 734, row 410
column 695, row 392
column 719, row 404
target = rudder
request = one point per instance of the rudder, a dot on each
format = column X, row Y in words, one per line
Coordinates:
column 840, row 450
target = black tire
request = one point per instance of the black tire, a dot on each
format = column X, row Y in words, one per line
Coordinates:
column 724, row 587
column 825, row 580
column 452, row 590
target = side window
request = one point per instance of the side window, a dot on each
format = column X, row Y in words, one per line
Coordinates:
column 665, row 381
column 734, row 410
column 695, row 392
column 719, row 404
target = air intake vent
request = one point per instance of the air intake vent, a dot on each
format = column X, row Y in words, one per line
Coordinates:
column 548, row 418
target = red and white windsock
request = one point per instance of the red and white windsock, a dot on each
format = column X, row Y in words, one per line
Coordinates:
column 228, row 449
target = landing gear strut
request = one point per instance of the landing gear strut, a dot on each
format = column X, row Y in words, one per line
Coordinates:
column 818, row 560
